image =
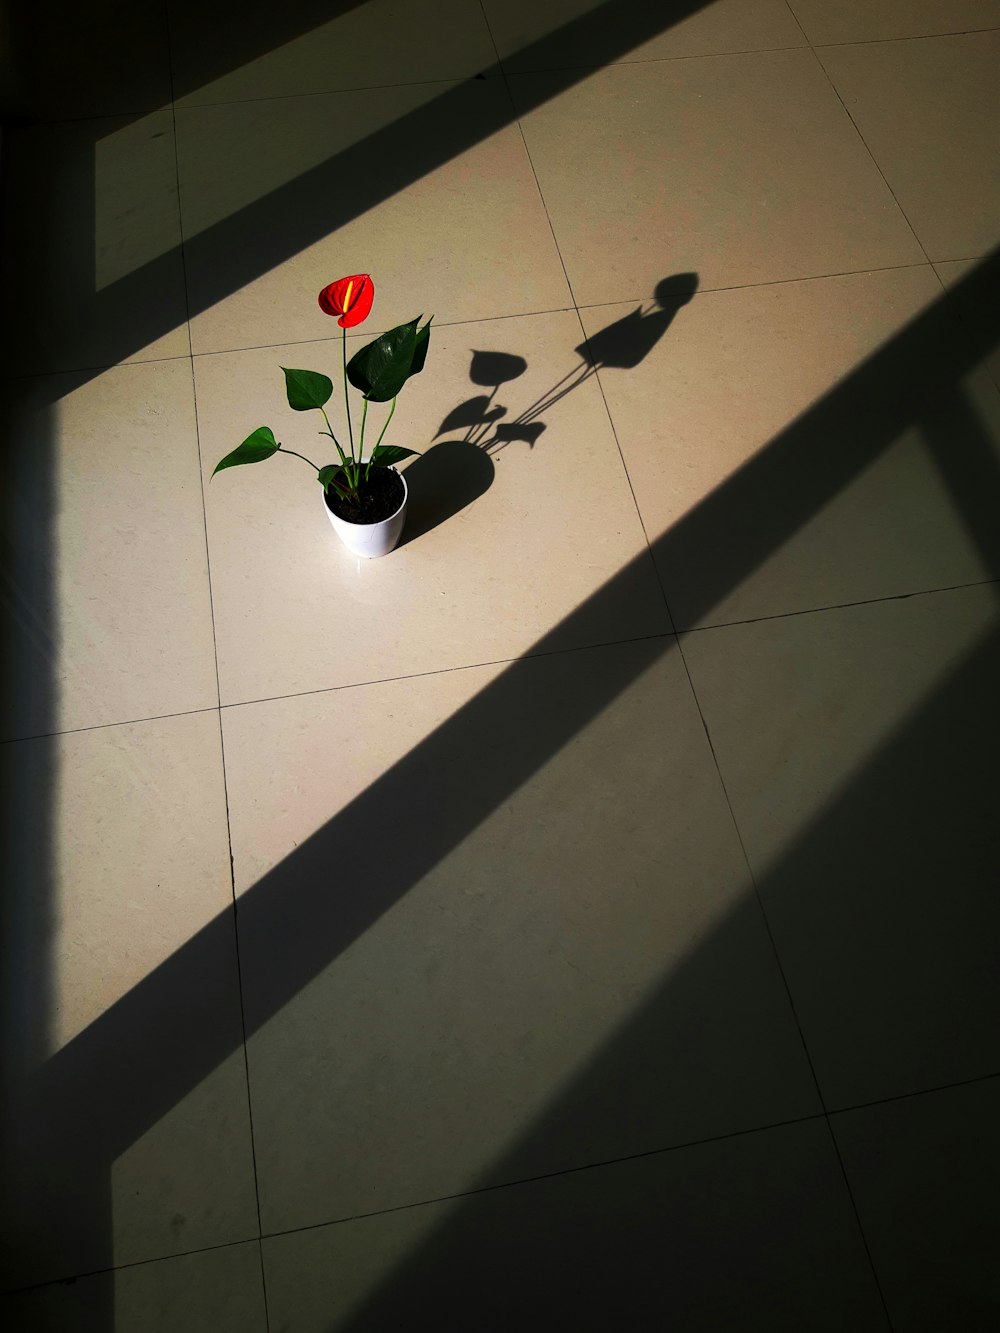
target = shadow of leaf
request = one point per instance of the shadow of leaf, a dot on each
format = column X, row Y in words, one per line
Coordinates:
column 473, row 412
column 525, row 431
column 491, row 369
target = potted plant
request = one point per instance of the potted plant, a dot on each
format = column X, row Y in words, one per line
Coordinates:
column 364, row 493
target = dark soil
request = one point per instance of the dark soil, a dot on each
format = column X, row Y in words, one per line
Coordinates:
column 378, row 498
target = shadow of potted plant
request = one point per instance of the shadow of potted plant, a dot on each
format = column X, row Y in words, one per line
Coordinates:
column 364, row 494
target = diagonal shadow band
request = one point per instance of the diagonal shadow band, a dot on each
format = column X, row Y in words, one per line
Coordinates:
column 646, row 1235
column 99, row 45
column 125, row 1071
column 228, row 253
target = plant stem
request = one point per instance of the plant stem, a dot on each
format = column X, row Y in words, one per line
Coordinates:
column 343, row 456
column 386, row 426
column 347, row 402
column 361, row 442
column 379, row 440
column 302, row 456
column 329, row 431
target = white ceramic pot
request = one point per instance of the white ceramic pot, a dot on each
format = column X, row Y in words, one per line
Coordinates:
column 370, row 539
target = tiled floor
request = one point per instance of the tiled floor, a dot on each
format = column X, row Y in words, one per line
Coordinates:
column 586, row 917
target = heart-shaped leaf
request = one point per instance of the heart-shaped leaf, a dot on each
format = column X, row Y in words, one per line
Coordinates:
column 385, row 455
column 254, row 449
column 381, row 368
column 307, row 389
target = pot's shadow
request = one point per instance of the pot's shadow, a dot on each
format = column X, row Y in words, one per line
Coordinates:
column 442, row 482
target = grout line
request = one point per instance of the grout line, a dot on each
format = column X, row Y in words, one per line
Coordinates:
column 446, row 1198
column 860, row 1224
column 760, row 902
column 874, row 161
column 782, row 282
column 554, row 1175
column 500, row 661
column 753, row 881
column 488, row 319
column 105, row 726
column 619, row 300
column 583, row 331
column 625, row 63
column 218, row 688
column 180, row 213
column 501, row 72
column 525, row 1180
column 353, row 685
column 795, row 19
column 917, row 1092
column 457, row 81
column 651, row 559
column 464, row 666
column 132, row 1263
column 765, row 921
column 916, row 37
column 650, row 1152
column 838, row 606
column 16, row 377
column 438, row 324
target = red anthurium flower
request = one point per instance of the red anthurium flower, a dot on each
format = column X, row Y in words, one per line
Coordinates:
column 350, row 298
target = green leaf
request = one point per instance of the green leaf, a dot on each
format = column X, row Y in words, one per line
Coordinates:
column 254, row 449
column 330, row 474
column 420, row 351
column 381, row 368
column 385, row 455
column 307, row 389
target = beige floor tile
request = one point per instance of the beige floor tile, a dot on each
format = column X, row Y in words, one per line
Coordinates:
column 99, row 277
column 879, row 20
column 499, row 548
column 99, row 59
column 925, row 1172
column 494, row 925
column 631, row 1245
column 428, row 188
column 777, row 469
column 127, row 1134
column 109, row 617
column 217, row 1291
column 858, row 750
column 929, row 111
column 743, row 168
column 322, row 48
column 565, row 33
column 496, row 921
